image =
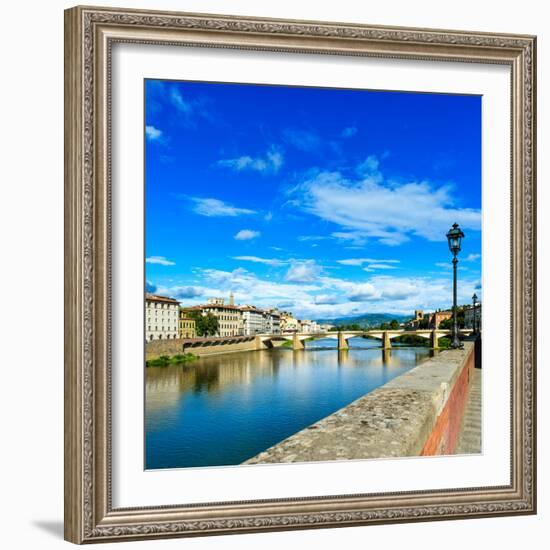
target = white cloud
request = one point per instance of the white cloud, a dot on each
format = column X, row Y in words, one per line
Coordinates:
column 348, row 132
column 160, row 260
column 303, row 272
column 216, row 208
column 327, row 297
column 381, row 266
column 256, row 259
column 361, row 261
column 399, row 290
column 472, row 257
column 362, row 292
column 270, row 163
column 152, row 133
column 371, row 207
column 322, row 299
column 246, row 235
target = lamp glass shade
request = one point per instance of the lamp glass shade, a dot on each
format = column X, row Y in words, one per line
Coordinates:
column 454, row 236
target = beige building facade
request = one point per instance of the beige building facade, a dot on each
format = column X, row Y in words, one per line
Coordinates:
column 186, row 326
column 230, row 317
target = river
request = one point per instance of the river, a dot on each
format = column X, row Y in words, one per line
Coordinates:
column 221, row 410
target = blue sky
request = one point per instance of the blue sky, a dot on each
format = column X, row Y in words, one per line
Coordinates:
column 326, row 202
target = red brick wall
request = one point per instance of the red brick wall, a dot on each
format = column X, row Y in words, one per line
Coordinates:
column 444, row 435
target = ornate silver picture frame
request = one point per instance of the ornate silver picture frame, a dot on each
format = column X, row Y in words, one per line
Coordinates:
column 90, row 34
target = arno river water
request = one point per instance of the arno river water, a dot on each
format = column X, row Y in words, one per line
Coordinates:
column 224, row 409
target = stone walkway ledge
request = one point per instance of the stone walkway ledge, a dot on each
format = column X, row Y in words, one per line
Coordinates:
column 394, row 420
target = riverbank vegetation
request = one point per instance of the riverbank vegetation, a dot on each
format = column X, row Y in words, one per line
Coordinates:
column 165, row 361
column 290, row 343
column 418, row 341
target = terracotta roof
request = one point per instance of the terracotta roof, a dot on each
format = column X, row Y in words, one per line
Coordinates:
column 157, row 298
column 216, row 306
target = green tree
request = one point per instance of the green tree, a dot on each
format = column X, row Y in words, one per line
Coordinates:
column 205, row 325
column 446, row 324
column 424, row 323
column 394, row 324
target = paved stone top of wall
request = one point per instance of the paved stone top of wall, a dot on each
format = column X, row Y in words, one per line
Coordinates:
column 392, row 421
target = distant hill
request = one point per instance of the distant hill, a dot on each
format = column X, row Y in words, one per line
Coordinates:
column 365, row 320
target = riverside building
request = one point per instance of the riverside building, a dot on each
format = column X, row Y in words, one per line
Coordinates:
column 161, row 317
column 253, row 320
column 186, row 327
column 230, row 317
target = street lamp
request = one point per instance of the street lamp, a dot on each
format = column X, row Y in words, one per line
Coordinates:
column 455, row 236
column 474, row 300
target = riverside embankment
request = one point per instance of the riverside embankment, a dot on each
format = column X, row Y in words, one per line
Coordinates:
column 417, row 413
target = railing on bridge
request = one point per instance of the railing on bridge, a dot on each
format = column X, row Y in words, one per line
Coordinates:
column 386, row 336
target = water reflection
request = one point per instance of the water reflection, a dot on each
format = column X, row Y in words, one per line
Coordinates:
column 224, row 409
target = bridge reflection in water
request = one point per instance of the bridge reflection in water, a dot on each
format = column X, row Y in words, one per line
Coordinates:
column 224, row 409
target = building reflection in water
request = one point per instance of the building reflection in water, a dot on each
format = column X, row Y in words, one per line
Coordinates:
column 223, row 409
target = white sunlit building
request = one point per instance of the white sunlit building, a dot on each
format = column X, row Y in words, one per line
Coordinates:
column 161, row 317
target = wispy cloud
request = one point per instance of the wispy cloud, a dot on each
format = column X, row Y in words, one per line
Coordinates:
column 361, row 261
column 173, row 100
column 448, row 265
column 353, row 238
column 381, row 266
column 153, row 134
column 246, row 235
column 270, row 163
column 307, row 238
column 371, row 207
column 258, row 260
column 217, row 208
column 348, row 132
column 472, row 257
column 182, row 105
column 304, row 140
column 160, row 260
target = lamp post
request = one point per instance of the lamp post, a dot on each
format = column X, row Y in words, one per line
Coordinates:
column 474, row 300
column 455, row 236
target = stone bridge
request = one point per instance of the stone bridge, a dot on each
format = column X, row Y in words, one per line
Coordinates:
column 227, row 344
column 385, row 336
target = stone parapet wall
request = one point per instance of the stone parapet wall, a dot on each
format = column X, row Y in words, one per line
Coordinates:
column 201, row 351
column 416, row 413
column 156, row 348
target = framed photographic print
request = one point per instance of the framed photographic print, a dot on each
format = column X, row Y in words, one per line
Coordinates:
column 300, row 274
